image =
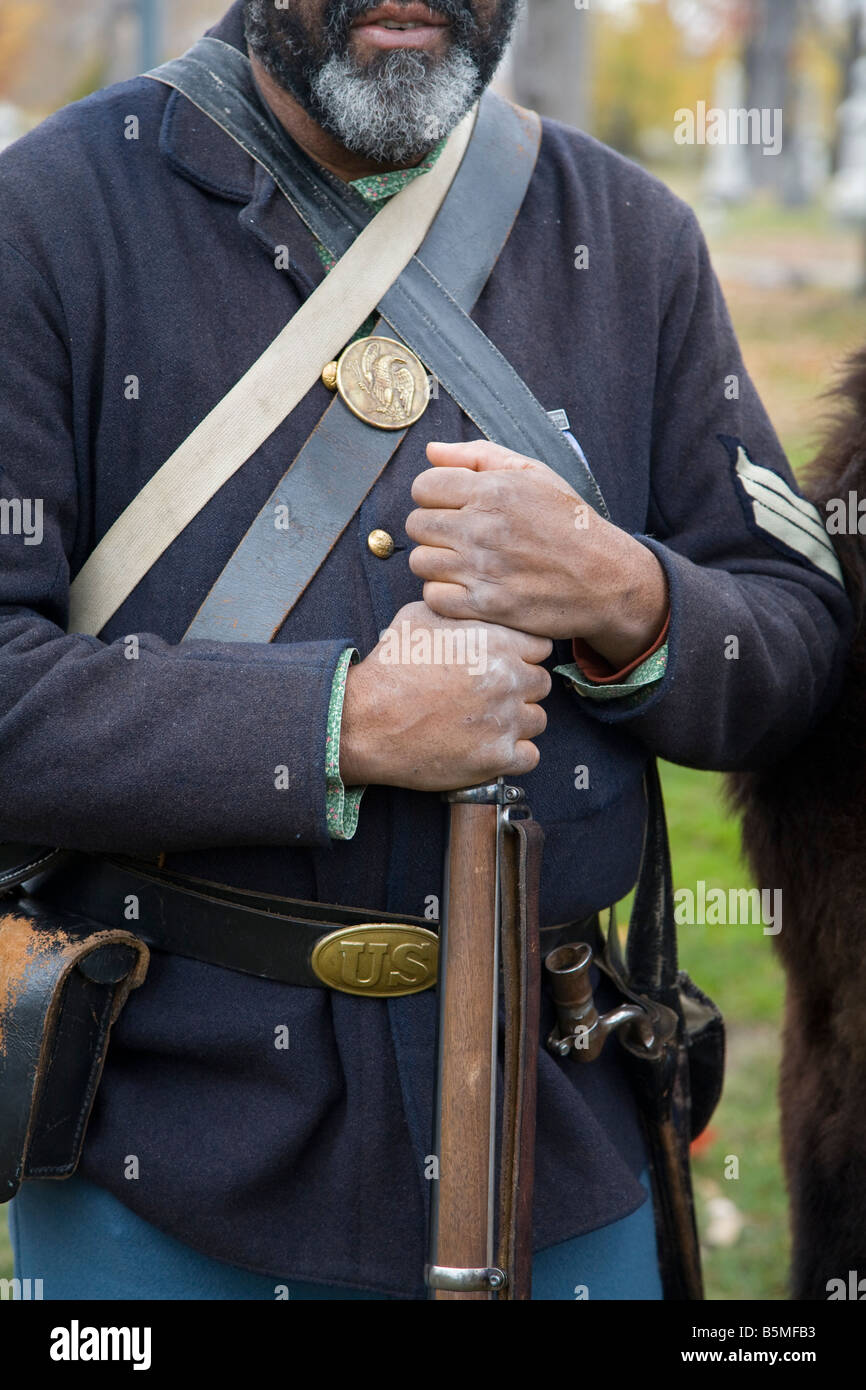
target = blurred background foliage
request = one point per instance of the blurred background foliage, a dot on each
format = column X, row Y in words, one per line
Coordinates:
column 787, row 236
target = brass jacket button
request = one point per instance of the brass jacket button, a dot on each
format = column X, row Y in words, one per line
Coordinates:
column 381, row 544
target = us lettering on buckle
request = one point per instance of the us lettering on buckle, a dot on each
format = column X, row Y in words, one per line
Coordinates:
column 381, row 381
column 379, row 959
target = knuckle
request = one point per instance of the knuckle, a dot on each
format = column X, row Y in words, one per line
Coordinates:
column 497, row 490
column 498, row 532
column 476, row 558
column 506, row 749
column 518, row 467
column 478, row 598
column 477, row 530
column 505, row 674
column 529, row 682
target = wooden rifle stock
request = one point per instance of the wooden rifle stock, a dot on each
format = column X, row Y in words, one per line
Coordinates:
column 489, row 918
column 463, row 1210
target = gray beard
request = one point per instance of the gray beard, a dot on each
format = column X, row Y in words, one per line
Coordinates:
column 402, row 110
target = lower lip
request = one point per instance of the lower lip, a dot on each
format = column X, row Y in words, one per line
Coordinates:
column 377, row 36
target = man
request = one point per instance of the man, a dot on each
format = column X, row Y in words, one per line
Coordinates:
column 248, row 1134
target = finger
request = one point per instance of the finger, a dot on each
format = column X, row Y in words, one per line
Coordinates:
column 478, row 454
column 531, row 648
column 433, row 526
column 538, row 683
column 443, row 487
column 526, row 758
column 448, row 600
column 533, row 721
column 484, row 457
column 436, row 562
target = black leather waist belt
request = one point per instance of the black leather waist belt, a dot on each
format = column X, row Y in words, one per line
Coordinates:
column 356, row 950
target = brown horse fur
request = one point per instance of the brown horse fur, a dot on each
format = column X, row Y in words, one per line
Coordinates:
column 804, row 831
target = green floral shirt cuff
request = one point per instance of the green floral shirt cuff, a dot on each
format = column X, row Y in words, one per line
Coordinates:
column 342, row 803
column 636, row 688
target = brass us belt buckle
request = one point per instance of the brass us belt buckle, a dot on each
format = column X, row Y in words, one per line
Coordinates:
column 379, row 959
column 381, row 381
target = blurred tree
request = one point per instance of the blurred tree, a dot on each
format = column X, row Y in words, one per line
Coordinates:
column 852, row 44
column 551, row 60
column 150, row 41
column 18, row 21
column 648, row 62
column 769, row 59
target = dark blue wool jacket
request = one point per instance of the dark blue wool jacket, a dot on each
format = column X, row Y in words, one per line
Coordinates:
column 154, row 259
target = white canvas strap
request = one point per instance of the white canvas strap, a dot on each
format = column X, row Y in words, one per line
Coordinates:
column 264, row 396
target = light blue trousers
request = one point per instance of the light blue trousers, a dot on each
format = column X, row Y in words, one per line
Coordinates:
column 85, row 1244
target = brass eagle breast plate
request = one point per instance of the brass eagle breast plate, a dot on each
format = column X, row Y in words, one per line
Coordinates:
column 383, row 382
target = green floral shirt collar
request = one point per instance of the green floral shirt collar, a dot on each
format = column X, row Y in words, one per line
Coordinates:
column 378, row 188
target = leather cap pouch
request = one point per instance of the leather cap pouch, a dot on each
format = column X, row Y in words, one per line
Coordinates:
column 63, row 981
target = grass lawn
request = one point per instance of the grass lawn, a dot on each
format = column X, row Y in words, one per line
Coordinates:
column 737, row 967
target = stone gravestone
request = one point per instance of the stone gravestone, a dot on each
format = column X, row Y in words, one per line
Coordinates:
column 848, row 187
column 727, row 179
column 847, row 197
column 12, row 123
column 810, row 166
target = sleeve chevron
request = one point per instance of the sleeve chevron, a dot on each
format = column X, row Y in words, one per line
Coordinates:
column 785, row 516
